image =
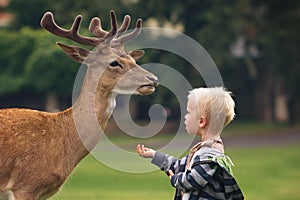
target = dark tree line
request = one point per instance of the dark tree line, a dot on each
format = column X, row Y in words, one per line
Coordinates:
column 255, row 45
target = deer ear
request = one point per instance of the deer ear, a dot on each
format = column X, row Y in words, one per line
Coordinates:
column 78, row 54
column 136, row 54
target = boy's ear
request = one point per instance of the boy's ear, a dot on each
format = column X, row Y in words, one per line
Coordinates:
column 202, row 122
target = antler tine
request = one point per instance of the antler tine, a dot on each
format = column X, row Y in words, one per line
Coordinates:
column 96, row 28
column 49, row 24
column 114, row 26
column 124, row 26
column 137, row 30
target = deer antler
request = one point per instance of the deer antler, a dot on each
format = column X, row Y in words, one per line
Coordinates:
column 49, row 24
column 126, row 37
column 96, row 28
column 114, row 35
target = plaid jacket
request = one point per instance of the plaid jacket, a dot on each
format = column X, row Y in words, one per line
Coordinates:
column 209, row 177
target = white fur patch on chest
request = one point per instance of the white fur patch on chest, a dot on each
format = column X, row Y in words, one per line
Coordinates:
column 111, row 107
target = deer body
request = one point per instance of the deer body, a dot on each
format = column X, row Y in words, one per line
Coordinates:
column 36, row 156
column 39, row 150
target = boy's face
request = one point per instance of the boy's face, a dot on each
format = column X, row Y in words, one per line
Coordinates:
column 191, row 119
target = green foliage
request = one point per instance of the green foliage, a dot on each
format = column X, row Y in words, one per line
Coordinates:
column 48, row 68
column 15, row 49
column 29, row 13
column 269, row 26
column 31, row 59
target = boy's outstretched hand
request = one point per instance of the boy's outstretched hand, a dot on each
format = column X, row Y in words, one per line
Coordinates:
column 144, row 151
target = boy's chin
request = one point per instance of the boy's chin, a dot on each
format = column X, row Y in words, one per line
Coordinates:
column 188, row 132
column 191, row 133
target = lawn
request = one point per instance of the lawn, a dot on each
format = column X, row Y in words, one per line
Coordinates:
column 266, row 173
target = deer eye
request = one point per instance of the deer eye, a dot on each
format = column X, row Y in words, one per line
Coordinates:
column 114, row 64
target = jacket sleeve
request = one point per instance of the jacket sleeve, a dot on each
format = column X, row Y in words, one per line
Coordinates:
column 196, row 178
column 166, row 162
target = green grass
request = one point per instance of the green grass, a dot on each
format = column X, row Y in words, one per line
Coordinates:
column 240, row 127
column 93, row 180
column 268, row 173
column 264, row 173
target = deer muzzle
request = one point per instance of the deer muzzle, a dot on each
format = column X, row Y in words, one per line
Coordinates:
column 149, row 88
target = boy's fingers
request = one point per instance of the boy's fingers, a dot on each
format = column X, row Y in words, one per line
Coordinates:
column 138, row 149
column 144, row 151
column 142, row 148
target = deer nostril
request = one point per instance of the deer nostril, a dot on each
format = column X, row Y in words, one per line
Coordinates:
column 153, row 79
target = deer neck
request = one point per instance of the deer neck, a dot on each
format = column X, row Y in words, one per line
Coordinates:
column 90, row 113
column 95, row 100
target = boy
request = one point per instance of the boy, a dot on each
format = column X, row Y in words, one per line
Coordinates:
column 206, row 172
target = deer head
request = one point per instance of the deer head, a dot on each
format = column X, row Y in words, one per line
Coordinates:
column 119, row 71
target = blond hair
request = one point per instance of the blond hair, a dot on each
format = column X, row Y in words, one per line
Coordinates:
column 216, row 104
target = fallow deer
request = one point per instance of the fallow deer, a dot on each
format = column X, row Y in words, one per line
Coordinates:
column 39, row 150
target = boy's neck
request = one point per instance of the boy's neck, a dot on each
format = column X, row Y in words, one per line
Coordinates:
column 207, row 136
column 216, row 142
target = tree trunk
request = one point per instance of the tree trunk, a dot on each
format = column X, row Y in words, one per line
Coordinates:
column 281, row 112
column 52, row 103
column 264, row 95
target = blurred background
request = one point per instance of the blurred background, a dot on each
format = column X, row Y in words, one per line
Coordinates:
column 254, row 43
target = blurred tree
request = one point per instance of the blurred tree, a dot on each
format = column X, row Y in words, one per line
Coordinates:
column 270, row 33
column 254, row 43
column 15, row 47
column 31, row 60
column 280, row 38
column 29, row 13
column 50, row 71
